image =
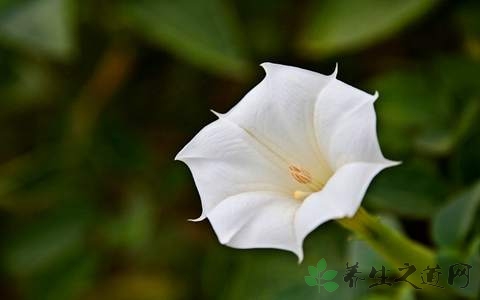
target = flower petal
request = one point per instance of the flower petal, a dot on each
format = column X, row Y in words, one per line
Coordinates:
column 341, row 197
column 279, row 112
column 256, row 220
column 345, row 125
column 226, row 161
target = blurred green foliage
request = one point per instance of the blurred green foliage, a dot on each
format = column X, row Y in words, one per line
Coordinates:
column 97, row 97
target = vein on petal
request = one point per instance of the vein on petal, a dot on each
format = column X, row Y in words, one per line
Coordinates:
column 281, row 161
column 284, row 161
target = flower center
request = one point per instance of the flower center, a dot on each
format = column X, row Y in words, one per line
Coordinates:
column 300, row 175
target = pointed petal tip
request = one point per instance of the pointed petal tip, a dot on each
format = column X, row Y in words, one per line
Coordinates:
column 201, row 218
column 392, row 163
column 300, row 256
column 267, row 66
column 219, row 115
column 178, row 157
column 375, row 95
column 181, row 156
column 335, row 71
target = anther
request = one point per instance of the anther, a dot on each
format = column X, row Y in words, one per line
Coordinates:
column 300, row 175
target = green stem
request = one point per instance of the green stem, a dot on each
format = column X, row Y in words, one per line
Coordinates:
column 391, row 244
column 395, row 247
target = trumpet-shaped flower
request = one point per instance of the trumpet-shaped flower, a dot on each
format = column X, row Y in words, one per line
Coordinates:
column 298, row 150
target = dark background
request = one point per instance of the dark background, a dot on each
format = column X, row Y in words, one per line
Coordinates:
column 97, row 97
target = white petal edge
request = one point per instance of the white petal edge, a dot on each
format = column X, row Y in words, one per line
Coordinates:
column 224, row 161
column 279, row 111
column 345, row 125
column 341, row 197
column 256, row 220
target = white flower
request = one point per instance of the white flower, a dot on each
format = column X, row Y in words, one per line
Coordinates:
column 298, row 150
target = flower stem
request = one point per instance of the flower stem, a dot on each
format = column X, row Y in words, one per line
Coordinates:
column 395, row 247
column 391, row 244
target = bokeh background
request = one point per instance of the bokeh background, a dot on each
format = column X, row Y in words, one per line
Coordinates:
column 97, row 97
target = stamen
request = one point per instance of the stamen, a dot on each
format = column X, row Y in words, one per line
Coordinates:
column 300, row 175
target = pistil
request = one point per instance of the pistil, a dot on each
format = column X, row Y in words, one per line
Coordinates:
column 300, row 195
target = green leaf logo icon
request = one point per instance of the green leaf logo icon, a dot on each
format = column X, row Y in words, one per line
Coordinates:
column 329, row 275
column 313, row 271
column 322, row 265
column 316, row 278
column 330, row 286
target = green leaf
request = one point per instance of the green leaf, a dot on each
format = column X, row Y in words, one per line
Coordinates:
column 338, row 25
column 442, row 142
column 413, row 188
column 331, row 286
column 311, row 281
column 410, row 102
column 473, row 259
column 321, row 265
column 201, row 31
column 466, row 160
column 329, row 275
column 464, row 85
column 360, row 251
column 41, row 27
column 313, row 271
column 448, row 257
column 453, row 222
column 264, row 19
column 407, row 98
